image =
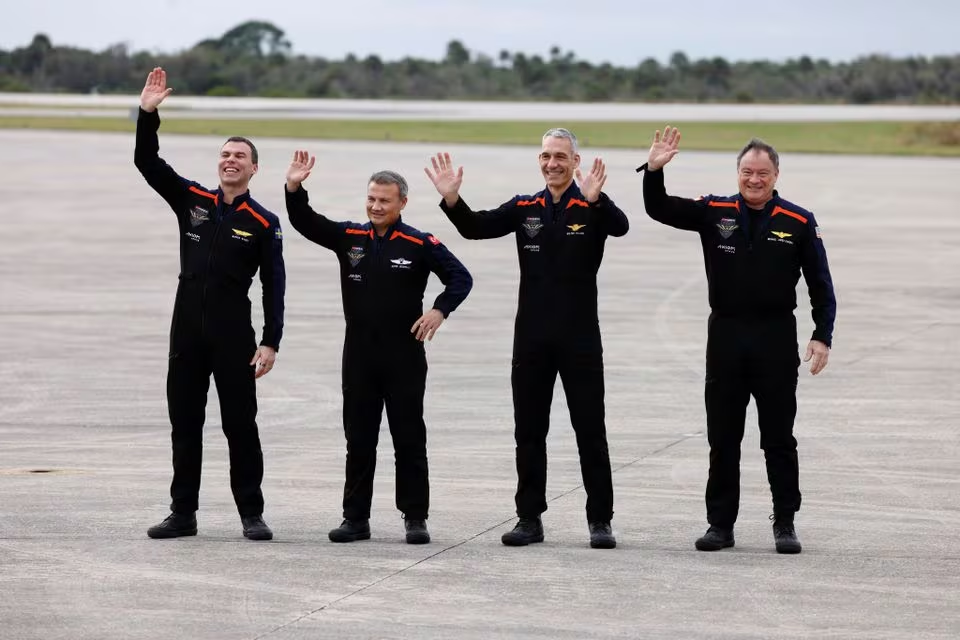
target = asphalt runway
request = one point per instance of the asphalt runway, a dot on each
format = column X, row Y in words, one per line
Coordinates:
column 88, row 273
column 207, row 107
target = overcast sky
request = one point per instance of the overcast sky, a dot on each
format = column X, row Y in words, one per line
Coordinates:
column 621, row 32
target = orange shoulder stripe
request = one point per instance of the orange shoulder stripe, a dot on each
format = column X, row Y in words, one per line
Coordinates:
column 397, row 234
column 359, row 232
column 734, row 204
column 245, row 207
column 527, row 203
column 777, row 210
column 574, row 201
column 205, row 194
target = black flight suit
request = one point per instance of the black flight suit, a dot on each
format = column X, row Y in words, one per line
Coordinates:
column 753, row 263
column 221, row 248
column 382, row 281
column 560, row 247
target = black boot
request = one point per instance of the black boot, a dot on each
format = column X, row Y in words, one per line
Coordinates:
column 175, row 525
column 784, row 535
column 601, row 536
column 416, row 529
column 714, row 539
column 254, row 528
column 351, row 531
column 527, row 531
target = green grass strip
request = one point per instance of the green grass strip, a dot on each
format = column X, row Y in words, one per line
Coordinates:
column 868, row 138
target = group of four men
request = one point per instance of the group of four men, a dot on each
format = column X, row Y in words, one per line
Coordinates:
column 755, row 247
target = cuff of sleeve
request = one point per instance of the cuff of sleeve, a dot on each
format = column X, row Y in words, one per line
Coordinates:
column 822, row 337
column 149, row 116
column 442, row 309
column 445, row 208
column 601, row 200
column 273, row 344
column 300, row 193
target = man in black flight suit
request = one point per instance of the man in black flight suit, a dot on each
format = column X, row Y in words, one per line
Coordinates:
column 560, row 234
column 755, row 246
column 384, row 267
column 225, row 238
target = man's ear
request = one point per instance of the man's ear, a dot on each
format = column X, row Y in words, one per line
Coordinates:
column 403, row 203
column 256, row 167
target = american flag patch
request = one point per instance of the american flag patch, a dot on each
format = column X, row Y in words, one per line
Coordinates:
column 818, row 232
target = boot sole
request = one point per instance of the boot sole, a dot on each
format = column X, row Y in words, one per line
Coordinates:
column 791, row 550
column 164, row 535
column 605, row 544
column 258, row 536
column 418, row 539
column 703, row 546
column 349, row 538
column 521, row 543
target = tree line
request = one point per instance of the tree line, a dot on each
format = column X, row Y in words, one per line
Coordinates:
column 256, row 59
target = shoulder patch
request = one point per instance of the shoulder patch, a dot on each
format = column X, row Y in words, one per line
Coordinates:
column 433, row 239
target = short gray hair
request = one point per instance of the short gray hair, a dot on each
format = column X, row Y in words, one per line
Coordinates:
column 391, row 177
column 559, row 132
column 756, row 144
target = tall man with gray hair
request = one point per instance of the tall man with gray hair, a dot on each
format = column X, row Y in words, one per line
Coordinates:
column 560, row 234
column 384, row 267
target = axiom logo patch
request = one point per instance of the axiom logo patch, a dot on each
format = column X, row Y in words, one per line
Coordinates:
column 355, row 255
column 198, row 215
column 532, row 226
column 727, row 226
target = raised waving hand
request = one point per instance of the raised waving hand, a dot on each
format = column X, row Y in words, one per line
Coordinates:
column 299, row 169
column 663, row 148
column 592, row 184
column 155, row 90
column 444, row 178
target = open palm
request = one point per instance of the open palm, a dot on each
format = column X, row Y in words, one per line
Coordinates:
column 663, row 148
column 444, row 178
column 155, row 90
column 299, row 169
column 592, row 184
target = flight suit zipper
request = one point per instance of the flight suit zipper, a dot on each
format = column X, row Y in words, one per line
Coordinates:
column 206, row 276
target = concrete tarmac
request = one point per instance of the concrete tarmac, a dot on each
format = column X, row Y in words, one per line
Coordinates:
column 88, row 272
column 228, row 108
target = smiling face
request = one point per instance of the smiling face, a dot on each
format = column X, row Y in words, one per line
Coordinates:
column 384, row 205
column 757, row 176
column 236, row 166
column 558, row 161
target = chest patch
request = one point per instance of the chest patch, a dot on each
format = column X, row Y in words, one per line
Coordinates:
column 198, row 215
column 400, row 263
column 727, row 226
column 780, row 236
column 532, row 226
column 575, row 229
column 355, row 255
